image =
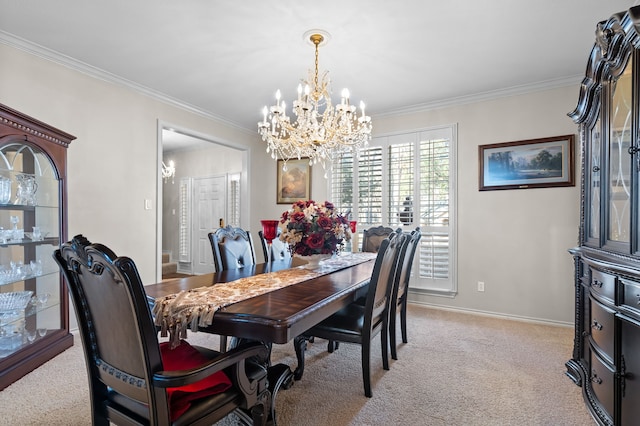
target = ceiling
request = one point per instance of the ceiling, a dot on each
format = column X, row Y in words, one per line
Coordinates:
column 227, row 58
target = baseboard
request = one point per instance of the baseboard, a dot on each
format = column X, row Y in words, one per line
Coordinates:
column 493, row 314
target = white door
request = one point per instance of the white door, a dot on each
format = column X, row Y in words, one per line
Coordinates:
column 209, row 205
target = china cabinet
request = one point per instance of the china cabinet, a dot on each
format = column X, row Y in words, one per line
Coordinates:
column 34, row 311
column 606, row 353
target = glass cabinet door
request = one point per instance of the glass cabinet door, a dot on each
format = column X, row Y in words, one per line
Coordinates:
column 619, row 164
column 30, row 299
column 593, row 176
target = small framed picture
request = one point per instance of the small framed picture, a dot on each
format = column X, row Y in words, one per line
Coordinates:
column 534, row 163
column 293, row 181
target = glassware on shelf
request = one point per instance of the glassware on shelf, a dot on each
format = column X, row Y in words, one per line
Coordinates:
column 43, row 298
column 30, row 335
column 16, row 234
column 12, row 305
column 5, row 190
column 36, row 267
column 37, row 234
column 14, row 300
column 40, row 300
column 27, row 187
column 11, row 335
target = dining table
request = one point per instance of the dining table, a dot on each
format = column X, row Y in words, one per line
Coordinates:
column 277, row 316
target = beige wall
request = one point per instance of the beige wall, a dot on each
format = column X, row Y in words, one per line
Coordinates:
column 514, row 241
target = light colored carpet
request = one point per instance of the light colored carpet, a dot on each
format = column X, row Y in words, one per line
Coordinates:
column 457, row 369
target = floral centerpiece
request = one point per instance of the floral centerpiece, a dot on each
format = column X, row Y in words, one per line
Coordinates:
column 311, row 228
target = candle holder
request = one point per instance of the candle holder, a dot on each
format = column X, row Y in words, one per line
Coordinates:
column 353, row 227
column 269, row 232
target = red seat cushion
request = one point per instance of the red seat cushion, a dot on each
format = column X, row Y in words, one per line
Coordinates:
column 184, row 357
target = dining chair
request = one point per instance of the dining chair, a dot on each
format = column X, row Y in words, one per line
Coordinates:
column 372, row 237
column 279, row 249
column 398, row 301
column 232, row 248
column 359, row 324
column 133, row 378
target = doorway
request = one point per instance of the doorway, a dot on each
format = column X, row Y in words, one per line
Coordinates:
column 202, row 168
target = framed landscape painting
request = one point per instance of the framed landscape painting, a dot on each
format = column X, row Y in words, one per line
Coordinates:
column 534, row 163
column 293, row 184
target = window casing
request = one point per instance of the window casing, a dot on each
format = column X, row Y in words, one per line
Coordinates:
column 407, row 180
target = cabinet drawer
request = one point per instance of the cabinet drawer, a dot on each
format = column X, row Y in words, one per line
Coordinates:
column 601, row 328
column 631, row 297
column 603, row 285
column 602, row 379
column 630, row 371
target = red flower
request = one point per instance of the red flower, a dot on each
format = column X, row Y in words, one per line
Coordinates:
column 315, row 241
column 325, row 222
column 298, row 217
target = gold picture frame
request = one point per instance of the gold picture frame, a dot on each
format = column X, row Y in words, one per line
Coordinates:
column 293, row 184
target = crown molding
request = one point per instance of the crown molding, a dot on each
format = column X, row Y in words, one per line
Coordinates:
column 483, row 96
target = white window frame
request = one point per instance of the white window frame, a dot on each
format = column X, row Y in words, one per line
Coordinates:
column 419, row 284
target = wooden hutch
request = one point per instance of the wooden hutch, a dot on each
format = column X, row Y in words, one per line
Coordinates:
column 34, row 306
column 606, row 353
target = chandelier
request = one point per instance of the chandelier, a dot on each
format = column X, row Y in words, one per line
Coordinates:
column 321, row 132
column 168, row 171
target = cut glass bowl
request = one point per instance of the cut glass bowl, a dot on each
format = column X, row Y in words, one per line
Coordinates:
column 14, row 300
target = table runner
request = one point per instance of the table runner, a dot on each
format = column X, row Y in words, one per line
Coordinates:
column 194, row 308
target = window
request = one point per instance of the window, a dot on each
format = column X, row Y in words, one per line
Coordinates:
column 233, row 201
column 407, row 180
column 184, row 230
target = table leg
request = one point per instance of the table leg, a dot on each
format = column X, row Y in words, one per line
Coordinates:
column 300, row 345
column 279, row 376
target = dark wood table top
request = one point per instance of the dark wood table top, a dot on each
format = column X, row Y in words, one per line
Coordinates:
column 280, row 315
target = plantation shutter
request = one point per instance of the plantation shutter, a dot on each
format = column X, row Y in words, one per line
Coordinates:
column 184, row 236
column 342, row 184
column 369, row 184
column 435, row 190
column 233, row 201
column 401, row 184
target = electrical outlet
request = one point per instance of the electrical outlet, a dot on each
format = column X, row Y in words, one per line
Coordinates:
column 480, row 285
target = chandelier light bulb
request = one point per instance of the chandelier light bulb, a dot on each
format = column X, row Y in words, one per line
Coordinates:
column 345, row 96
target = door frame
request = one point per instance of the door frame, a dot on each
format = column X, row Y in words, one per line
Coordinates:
column 245, row 191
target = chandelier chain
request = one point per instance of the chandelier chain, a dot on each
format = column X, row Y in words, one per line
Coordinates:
column 315, row 81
